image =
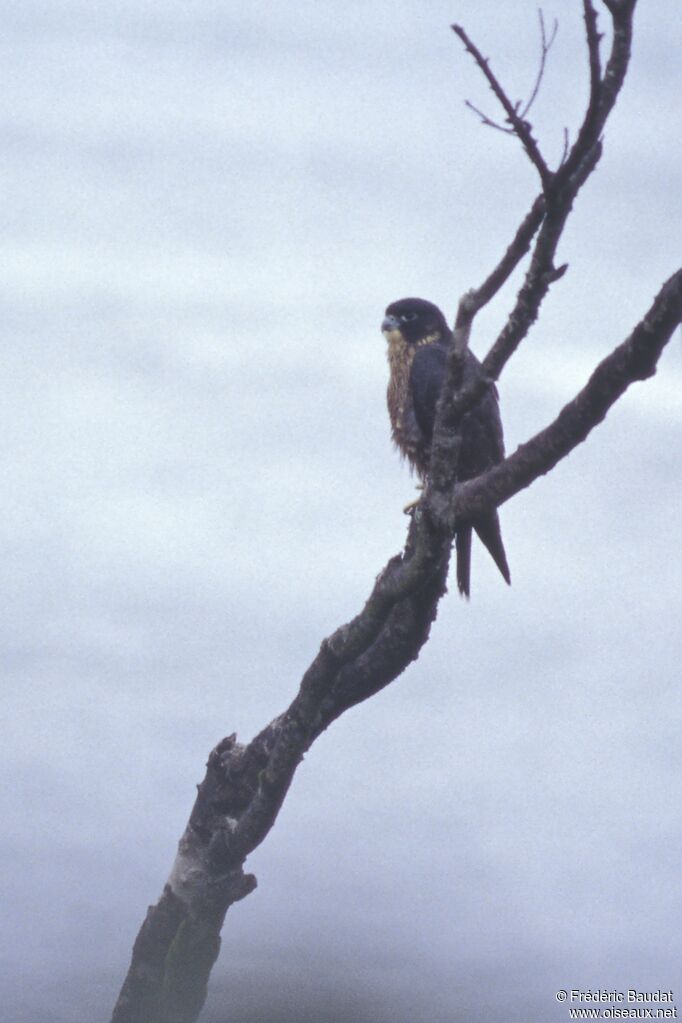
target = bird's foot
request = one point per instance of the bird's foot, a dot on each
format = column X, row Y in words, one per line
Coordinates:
column 410, row 508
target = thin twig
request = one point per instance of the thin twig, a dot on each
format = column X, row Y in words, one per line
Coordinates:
column 545, row 47
column 488, row 121
column 564, row 153
column 522, row 129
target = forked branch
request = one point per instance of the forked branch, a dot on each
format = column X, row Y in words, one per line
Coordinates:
column 520, row 127
column 633, row 360
column 547, row 217
column 523, row 110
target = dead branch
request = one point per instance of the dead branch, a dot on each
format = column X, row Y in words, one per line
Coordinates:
column 633, row 360
column 488, row 121
column 578, row 165
column 593, row 41
column 520, row 127
column 545, row 47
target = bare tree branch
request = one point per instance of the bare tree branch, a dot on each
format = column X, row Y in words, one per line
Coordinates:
column 521, row 128
column 560, row 190
column 542, row 273
column 603, row 98
column 545, row 47
column 488, row 121
column 633, row 360
column 593, row 41
column 476, row 299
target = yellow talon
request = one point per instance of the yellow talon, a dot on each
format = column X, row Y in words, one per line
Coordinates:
column 409, row 508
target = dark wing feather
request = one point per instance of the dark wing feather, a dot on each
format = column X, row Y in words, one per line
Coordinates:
column 463, row 548
column 482, row 438
column 488, row 530
column 426, row 379
column 482, row 447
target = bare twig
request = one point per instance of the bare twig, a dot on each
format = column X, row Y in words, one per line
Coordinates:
column 521, row 128
column 545, row 47
column 564, row 153
column 487, row 121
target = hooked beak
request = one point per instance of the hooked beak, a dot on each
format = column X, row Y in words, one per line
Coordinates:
column 390, row 324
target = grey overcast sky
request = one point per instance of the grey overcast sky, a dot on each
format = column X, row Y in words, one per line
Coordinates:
column 206, row 208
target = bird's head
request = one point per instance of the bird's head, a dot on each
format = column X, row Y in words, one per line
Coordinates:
column 413, row 320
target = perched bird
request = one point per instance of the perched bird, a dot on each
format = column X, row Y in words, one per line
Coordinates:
column 418, row 338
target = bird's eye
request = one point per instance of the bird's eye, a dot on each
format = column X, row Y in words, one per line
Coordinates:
column 408, row 317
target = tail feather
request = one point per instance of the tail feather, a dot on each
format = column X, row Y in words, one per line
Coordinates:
column 463, row 548
column 488, row 529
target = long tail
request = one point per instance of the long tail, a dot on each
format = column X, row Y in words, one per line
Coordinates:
column 463, row 548
column 488, row 530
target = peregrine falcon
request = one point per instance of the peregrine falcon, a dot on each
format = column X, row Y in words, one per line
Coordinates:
column 418, row 339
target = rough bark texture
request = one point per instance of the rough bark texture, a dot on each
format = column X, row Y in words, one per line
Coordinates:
column 244, row 787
